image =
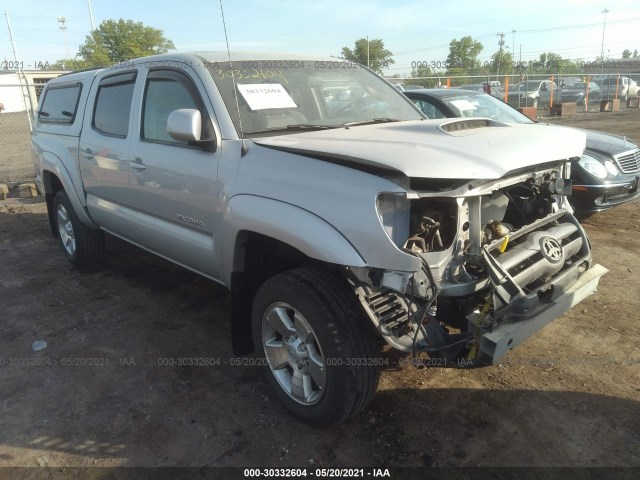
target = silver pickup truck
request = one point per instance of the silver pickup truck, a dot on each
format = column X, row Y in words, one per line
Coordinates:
column 337, row 215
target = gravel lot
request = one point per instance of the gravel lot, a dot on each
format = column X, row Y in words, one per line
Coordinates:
column 102, row 393
column 15, row 147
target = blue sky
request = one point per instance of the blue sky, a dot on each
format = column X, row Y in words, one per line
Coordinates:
column 412, row 30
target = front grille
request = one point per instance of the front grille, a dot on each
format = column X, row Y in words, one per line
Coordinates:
column 629, row 162
column 528, row 263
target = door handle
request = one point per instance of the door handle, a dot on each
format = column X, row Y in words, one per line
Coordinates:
column 87, row 154
column 137, row 164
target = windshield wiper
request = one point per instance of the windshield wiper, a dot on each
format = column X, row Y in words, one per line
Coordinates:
column 370, row 122
column 298, row 126
column 309, row 126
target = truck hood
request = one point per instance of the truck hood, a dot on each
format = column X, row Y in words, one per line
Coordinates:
column 445, row 148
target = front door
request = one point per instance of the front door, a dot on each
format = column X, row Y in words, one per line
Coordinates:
column 173, row 185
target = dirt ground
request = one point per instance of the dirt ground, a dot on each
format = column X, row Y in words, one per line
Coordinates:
column 101, row 394
column 15, row 147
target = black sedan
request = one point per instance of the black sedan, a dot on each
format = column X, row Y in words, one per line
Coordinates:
column 605, row 176
column 577, row 92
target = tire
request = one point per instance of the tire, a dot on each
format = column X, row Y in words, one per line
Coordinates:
column 331, row 373
column 81, row 245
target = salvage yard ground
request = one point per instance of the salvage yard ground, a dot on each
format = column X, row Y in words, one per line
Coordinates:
column 108, row 389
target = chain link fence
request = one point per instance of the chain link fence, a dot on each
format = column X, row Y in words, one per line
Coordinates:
column 547, row 92
column 589, row 91
column 19, row 94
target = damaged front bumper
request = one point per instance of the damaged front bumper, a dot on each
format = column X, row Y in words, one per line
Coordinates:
column 494, row 344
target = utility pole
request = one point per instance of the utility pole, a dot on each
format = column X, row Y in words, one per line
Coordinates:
column 25, row 94
column 63, row 26
column 501, row 43
column 604, row 25
column 368, row 51
column 91, row 15
column 13, row 45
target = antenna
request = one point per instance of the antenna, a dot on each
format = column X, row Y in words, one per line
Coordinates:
column 235, row 89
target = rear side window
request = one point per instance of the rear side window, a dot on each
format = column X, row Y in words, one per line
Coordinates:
column 60, row 104
column 113, row 105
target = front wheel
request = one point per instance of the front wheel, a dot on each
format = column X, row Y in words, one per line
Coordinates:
column 81, row 245
column 317, row 346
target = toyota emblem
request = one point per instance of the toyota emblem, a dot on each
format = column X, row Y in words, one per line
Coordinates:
column 551, row 249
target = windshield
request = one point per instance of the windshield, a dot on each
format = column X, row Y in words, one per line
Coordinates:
column 288, row 96
column 485, row 106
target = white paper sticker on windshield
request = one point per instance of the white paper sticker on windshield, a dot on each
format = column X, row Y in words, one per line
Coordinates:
column 463, row 105
column 266, row 95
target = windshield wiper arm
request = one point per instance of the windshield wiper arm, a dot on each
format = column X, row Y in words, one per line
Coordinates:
column 372, row 121
column 310, row 126
column 298, row 126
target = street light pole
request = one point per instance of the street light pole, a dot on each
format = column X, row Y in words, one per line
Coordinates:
column 604, row 25
column 63, row 26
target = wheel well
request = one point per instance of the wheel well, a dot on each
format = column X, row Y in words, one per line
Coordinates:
column 257, row 258
column 52, row 185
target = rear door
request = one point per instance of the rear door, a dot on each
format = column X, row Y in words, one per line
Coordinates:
column 104, row 146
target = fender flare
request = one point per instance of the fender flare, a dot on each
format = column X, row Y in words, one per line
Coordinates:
column 299, row 228
column 51, row 163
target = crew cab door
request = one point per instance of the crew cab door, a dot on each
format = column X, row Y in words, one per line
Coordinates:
column 173, row 184
column 104, row 146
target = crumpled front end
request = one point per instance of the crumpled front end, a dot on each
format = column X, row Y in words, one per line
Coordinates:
column 500, row 259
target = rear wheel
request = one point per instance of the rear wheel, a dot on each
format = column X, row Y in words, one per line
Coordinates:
column 317, row 346
column 81, row 245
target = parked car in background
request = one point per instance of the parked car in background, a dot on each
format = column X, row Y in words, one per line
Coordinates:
column 606, row 175
column 627, row 88
column 566, row 81
column 533, row 93
column 577, row 92
column 486, row 87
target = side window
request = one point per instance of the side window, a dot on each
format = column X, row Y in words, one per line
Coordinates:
column 113, row 105
column 166, row 91
column 60, row 104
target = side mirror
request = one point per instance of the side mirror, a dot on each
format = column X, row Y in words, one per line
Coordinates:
column 185, row 125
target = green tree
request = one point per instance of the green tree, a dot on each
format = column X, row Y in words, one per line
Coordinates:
column 418, row 76
column 626, row 53
column 463, row 55
column 120, row 40
column 369, row 53
column 502, row 63
column 68, row 64
column 553, row 63
column 635, row 53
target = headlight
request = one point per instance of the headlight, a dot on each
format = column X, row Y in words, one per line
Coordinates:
column 393, row 211
column 611, row 168
column 593, row 166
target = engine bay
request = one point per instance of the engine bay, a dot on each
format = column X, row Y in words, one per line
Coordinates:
column 498, row 256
